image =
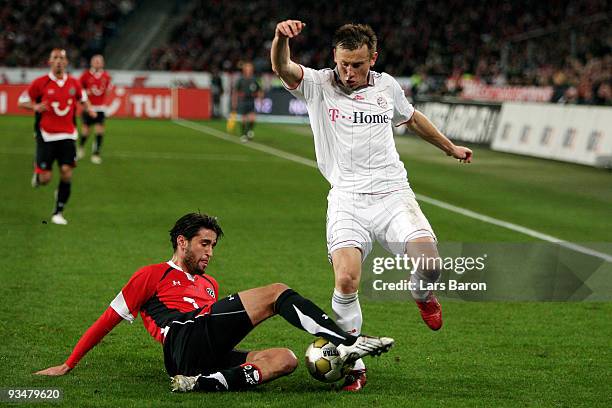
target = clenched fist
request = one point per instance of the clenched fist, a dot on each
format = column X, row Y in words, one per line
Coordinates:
column 289, row 28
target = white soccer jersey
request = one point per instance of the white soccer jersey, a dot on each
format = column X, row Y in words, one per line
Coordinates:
column 353, row 133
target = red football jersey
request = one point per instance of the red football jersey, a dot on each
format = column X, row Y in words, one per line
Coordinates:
column 163, row 293
column 61, row 97
column 96, row 84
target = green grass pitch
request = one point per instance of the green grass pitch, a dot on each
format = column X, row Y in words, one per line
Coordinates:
column 57, row 280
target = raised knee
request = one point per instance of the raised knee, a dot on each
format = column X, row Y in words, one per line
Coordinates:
column 278, row 288
column 432, row 274
column 430, row 270
column 44, row 178
column 289, row 361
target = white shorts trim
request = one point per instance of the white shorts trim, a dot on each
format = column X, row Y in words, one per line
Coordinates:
column 362, row 247
column 52, row 137
column 421, row 234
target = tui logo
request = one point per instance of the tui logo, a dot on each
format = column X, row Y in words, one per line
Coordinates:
column 61, row 112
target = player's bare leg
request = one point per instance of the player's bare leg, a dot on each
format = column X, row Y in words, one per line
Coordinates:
column 274, row 362
column 250, row 126
column 347, row 269
column 259, row 302
column 261, row 366
column 97, row 144
column 243, row 129
column 345, row 304
column 41, row 178
column 82, row 140
column 62, row 194
column 427, row 274
column 278, row 299
column 262, row 303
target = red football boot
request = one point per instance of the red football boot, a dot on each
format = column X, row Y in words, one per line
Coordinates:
column 431, row 312
column 355, row 380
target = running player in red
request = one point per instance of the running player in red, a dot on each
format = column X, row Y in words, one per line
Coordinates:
column 179, row 306
column 53, row 98
column 96, row 82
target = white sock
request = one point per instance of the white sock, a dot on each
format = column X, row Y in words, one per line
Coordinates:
column 347, row 313
column 421, row 280
column 359, row 365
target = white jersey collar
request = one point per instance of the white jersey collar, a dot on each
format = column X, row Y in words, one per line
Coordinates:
column 59, row 82
column 175, row 266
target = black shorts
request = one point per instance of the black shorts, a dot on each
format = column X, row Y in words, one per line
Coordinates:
column 246, row 106
column 64, row 151
column 89, row 121
column 206, row 344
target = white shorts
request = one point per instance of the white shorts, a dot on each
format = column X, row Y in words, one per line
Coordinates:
column 392, row 219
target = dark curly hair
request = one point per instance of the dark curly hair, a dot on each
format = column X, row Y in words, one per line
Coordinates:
column 190, row 224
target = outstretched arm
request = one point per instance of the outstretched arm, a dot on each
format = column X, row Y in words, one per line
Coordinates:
column 90, row 338
column 26, row 102
column 287, row 70
column 423, row 127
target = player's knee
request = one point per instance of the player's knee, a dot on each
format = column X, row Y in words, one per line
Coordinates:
column 66, row 174
column 277, row 289
column 431, row 273
column 44, row 178
column 347, row 271
column 288, row 361
column 347, row 282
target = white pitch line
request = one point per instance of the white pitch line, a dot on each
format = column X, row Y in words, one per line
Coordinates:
column 252, row 145
column 437, row 203
column 178, row 156
column 515, row 227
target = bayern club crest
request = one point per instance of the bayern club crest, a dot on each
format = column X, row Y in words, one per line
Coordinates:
column 382, row 102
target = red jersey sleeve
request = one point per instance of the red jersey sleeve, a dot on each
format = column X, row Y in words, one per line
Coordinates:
column 139, row 289
column 93, row 335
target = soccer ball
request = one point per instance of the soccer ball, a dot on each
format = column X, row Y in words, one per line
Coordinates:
column 324, row 363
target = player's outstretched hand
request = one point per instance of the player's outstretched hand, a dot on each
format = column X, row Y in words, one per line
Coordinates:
column 92, row 113
column 463, row 154
column 289, row 28
column 55, row 371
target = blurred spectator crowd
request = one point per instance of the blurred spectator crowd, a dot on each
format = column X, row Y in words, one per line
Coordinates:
column 82, row 27
column 561, row 43
column 438, row 44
